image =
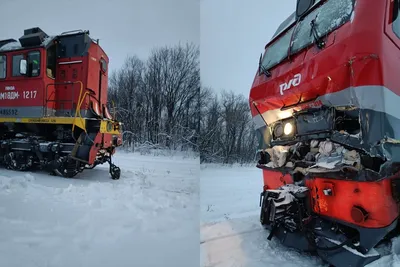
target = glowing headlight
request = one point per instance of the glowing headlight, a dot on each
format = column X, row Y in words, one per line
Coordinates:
column 288, row 128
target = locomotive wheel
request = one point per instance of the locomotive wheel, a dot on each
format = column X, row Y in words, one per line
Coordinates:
column 115, row 172
column 69, row 168
column 18, row 161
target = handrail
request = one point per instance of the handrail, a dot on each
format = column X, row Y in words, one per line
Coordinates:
column 57, row 100
column 73, row 31
column 78, row 107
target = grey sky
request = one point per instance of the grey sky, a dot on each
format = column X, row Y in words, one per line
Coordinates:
column 123, row 26
column 233, row 35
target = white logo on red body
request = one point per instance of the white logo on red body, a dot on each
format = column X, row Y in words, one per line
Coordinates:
column 295, row 81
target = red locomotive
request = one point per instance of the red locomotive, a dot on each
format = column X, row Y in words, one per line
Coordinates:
column 53, row 104
column 324, row 101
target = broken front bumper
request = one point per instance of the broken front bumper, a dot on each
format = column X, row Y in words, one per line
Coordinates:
column 288, row 214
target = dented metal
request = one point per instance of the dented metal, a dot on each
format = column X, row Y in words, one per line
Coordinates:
column 359, row 130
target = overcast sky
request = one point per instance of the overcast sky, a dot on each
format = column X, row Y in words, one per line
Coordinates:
column 233, row 35
column 123, row 26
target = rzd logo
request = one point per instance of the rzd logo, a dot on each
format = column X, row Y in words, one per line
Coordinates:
column 292, row 83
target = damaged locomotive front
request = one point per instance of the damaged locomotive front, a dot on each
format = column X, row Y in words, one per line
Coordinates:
column 326, row 140
column 324, row 103
column 326, row 189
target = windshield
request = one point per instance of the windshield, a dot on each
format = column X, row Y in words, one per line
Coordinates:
column 328, row 17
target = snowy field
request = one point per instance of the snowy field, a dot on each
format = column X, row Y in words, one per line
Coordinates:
column 231, row 235
column 147, row 218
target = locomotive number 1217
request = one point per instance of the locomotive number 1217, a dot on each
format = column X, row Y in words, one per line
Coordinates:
column 29, row 94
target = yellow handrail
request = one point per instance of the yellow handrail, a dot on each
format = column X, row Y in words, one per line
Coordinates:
column 79, row 99
column 78, row 108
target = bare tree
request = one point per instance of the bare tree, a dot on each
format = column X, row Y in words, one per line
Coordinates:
column 162, row 105
column 175, row 74
column 158, row 99
column 227, row 132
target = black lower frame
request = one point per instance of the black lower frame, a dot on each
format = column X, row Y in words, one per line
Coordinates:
column 63, row 156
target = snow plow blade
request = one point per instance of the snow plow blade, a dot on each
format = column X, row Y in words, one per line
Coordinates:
column 344, row 256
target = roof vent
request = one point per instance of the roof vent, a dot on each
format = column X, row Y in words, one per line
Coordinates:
column 32, row 37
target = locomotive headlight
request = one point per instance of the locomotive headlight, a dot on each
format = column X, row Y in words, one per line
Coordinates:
column 288, row 129
column 278, row 130
column 284, row 129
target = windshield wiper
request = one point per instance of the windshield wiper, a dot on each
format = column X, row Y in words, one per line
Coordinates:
column 262, row 69
column 318, row 40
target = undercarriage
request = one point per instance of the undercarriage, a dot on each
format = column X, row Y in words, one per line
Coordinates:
column 27, row 151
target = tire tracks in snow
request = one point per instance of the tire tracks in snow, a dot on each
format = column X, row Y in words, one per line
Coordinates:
column 222, row 244
column 231, row 235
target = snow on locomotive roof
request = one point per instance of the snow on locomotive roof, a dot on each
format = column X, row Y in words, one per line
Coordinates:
column 11, row 46
column 47, row 40
column 17, row 45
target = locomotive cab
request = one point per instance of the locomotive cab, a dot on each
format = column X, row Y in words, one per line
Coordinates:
column 53, row 92
column 324, row 102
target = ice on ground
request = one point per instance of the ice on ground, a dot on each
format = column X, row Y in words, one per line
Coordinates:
column 231, row 235
column 147, row 218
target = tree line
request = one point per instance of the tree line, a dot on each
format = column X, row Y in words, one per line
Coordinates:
column 158, row 99
column 226, row 132
column 162, row 105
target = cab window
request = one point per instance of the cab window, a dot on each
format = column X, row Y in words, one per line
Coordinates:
column 3, row 66
column 15, row 65
column 34, row 63
column 103, row 65
column 51, row 62
column 396, row 18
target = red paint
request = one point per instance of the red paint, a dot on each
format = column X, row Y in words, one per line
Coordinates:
column 98, row 141
column 87, row 70
column 24, row 84
column 70, row 73
column 275, row 179
column 370, row 33
column 374, row 197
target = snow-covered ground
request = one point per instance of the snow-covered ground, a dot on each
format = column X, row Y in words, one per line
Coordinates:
column 147, row 218
column 231, row 235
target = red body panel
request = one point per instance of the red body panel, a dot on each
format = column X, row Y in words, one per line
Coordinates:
column 275, row 179
column 93, row 79
column 22, row 91
column 44, row 96
column 374, row 197
column 95, row 148
column 70, row 70
column 356, row 54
